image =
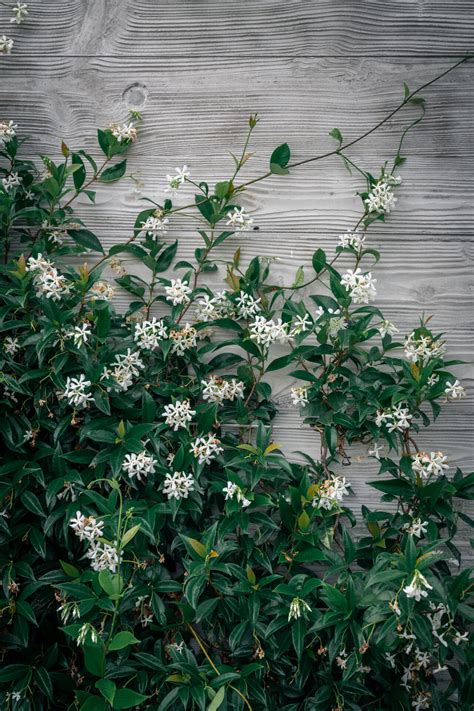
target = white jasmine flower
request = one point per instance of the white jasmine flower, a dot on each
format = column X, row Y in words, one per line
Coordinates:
column 175, row 181
column 178, row 292
column 422, row 701
column 80, row 334
column 352, row 239
column 387, row 327
column 216, row 389
column 264, row 332
column 297, row 607
column 87, row 528
column 208, row 309
column 148, row 334
column 124, row 132
column 418, row 586
column 331, row 493
column 206, row 449
column 299, row 395
column 395, row 419
column 103, row 557
column 138, row 465
column 381, row 198
column 417, row 527
column 184, row 339
column 454, row 390
column 390, row 659
column 178, row 485
column 76, row 391
column 156, row 224
column 178, row 414
column 423, row 349
column 377, row 450
column 239, row 220
column 20, row 11
column 439, row 636
column 7, row 131
column 247, row 306
column 361, row 286
column 124, row 368
column 6, row 44
column 433, row 379
column 11, row 345
column 301, row 325
column 117, row 267
column 11, row 181
column 101, row 291
column 232, row 490
column 460, row 638
column 426, row 464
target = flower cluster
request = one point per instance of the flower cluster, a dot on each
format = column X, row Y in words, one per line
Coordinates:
column 205, row 449
column 183, row 339
column 156, row 224
column 418, row 587
column 352, row 239
column 297, row 607
column 239, row 220
column 247, row 306
column 360, row 286
column 395, row 419
column 101, row 291
column 330, row 493
column 231, row 490
column 124, row 369
column 149, row 334
column 46, row 278
column 209, row 309
column 299, row 395
column 218, row 389
column 178, row 485
column 178, row 292
column 423, row 348
column 7, row 131
column 124, row 132
column 178, row 414
column 175, row 181
column 381, row 198
column 77, row 392
column 139, row 465
column 454, row 391
column 427, row 464
column 265, row 332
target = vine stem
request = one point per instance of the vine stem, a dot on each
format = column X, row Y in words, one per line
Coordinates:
column 204, row 651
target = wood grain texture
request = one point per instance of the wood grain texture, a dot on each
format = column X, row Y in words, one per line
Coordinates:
column 259, row 28
column 198, row 69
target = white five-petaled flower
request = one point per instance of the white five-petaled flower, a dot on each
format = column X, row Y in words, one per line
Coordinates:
column 417, row 527
column 178, row 485
column 459, row 638
column 175, row 181
column 205, row 449
column 76, row 391
column 139, row 465
column 6, row 44
column 87, row 528
column 178, row 292
column 454, row 390
column 300, row 325
column 247, row 306
column 360, row 286
column 395, row 419
column 80, row 334
column 239, row 220
column 232, row 490
column 299, row 395
column 429, row 463
column 377, row 450
column 7, row 131
column 219, row 306
column 297, row 607
column 178, row 414
column 418, row 587
column 124, row 368
column 11, row 345
column 20, row 11
column 217, row 389
column 148, row 334
column 11, row 181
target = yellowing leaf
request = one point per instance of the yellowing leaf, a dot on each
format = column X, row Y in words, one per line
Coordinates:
column 197, row 546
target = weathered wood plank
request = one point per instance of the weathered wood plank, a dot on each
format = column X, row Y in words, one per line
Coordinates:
column 257, row 29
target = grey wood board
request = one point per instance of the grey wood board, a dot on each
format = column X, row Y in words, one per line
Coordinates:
column 251, row 27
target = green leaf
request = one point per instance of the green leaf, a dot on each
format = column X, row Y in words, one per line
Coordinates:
column 31, row 502
column 86, row 239
column 279, row 159
column 43, row 680
column 111, row 583
column 94, row 658
column 94, row 703
column 319, row 260
column 122, row 640
column 298, row 634
column 196, row 546
column 104, row 141
column 79, row 175
column 107, row 688
column 218, row 699
column 335, row 133
column 69, row 569
column 128, row 535
column 115, row 172
column 127, row 699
